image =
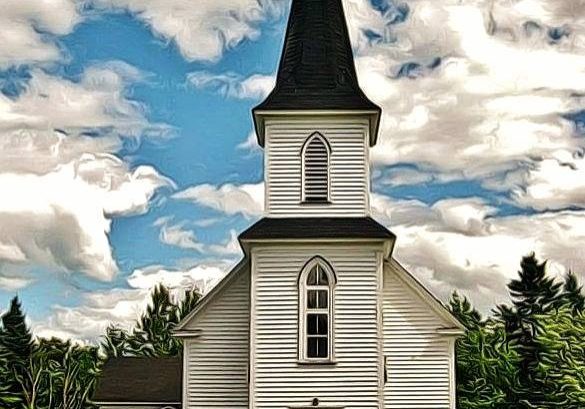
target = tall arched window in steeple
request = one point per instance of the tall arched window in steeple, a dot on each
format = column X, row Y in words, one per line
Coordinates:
column 316, row 284
column 315, row 157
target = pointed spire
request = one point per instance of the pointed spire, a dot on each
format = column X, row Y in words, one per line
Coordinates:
column 317, row 70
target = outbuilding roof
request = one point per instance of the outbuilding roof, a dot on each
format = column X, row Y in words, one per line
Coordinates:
column 140, row 381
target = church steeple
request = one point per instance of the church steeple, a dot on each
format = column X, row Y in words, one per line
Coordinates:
column 317, row 71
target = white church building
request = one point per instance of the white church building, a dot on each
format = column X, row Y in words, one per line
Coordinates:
column 318, row 314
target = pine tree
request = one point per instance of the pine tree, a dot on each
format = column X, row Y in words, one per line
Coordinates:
column 152, row 335
column 15, row 336
column 485, row 365
column 16, row 347
column 533, row 295
column 572, row 293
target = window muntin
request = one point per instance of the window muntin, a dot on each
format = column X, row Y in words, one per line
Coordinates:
column 316, row 169
column 315, row 315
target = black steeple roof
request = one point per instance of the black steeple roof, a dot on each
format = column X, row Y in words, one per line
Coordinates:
column 317, row 70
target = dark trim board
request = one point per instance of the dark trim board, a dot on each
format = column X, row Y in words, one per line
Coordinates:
column 317, row 228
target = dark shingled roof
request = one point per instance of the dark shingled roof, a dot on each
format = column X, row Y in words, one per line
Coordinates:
column 316, row 68
column 317, row 228
column 152, row 380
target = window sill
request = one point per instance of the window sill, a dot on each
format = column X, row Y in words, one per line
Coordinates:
column 315, row 202
column 325, row 362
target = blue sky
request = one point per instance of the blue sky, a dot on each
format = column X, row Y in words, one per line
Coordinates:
column 127, row 155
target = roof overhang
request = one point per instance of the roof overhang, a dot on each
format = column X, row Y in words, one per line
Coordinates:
column 261, row 115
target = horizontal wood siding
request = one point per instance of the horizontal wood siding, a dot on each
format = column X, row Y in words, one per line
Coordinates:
column 279, row 380
column 217, row 361
column 417, row 358
column 349, row 185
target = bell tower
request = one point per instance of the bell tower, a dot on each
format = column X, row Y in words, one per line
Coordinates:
column 316, row 258
column 317, row 125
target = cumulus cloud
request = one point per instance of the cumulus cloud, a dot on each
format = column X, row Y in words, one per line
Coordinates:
column 247, row 199
column 554, row 183
column 98, row 310
column 203, row 29
column 122, row 307
column 27, row 28
column 202, row 277
column 476, row 88
column 463, row 244
column 231, row 85
column 60, row 181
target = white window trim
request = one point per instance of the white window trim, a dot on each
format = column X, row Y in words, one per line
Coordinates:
column 302, row 330
column 315, row 135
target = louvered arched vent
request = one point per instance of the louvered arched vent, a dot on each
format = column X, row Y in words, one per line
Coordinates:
column 316, row 169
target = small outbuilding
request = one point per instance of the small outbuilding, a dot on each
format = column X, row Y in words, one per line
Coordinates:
column 140, row 383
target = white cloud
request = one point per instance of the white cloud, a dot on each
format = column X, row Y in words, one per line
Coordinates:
column 90, row 320
column 61, row 219
column 13, row 283
column 251, row 143
column 26, row 26
column 247, row 199
column 494, row 102
column 203, row 277
column 462, row 244
column 201, row 29
column 176, row 235
column 122, row 307
column 231, row 247
column 231, row 85
column 555, row 183
column 60, row 188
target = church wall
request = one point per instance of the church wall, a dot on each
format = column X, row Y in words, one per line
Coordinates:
column 419, row 361
column 349, row 173
column 216, row 362
column 279, row 380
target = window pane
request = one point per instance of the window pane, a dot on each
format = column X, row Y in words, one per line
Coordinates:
column 312, row 348
column 322, row 276
column 322, row 328
column 317, row 324
column 311, row 324
column 317, row 347
column 322, row 347
column 322, row 301
column 312, row 277
column 312, row 299
column 317, row 299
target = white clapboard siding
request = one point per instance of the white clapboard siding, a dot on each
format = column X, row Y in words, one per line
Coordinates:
column 278, row 379
column 417, row 358
column 216, row 364
column 348, row 166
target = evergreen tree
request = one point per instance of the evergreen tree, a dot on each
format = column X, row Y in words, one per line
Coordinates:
column 152, row 335
column 572, row 293
column 533, row 294
column 15, row 336
column 16, row 348
column 560, row 373
column 485, row 365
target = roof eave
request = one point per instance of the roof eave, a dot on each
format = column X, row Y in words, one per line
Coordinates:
column 259, row 114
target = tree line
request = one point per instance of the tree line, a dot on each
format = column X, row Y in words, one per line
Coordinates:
column 40, row 373
column 528, row 354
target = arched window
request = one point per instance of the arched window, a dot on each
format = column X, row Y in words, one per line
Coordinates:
column 316, row 284
column 315, row 157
